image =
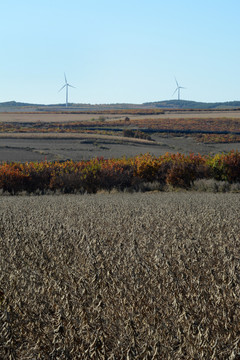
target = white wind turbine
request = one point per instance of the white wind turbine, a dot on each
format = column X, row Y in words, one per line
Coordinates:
column 66, row 85
column 178, row 89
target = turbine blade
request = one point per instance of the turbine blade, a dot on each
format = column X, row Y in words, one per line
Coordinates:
column 175, row 91
column 71, row 86
column 62, row 88
column 176, row 82
column 65, row 78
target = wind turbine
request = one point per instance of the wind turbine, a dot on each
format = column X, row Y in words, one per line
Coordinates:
column 66, row 85
column 178, row 89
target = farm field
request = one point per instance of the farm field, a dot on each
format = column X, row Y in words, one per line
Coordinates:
column 75, row 147
column 82, row 136
column 17, row 149
column 124, row 276
column 113, row 115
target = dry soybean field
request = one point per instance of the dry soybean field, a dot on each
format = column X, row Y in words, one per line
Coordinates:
column 120, row 276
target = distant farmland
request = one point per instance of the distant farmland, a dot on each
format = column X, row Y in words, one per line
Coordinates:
column 84, row 135
column 81, row 116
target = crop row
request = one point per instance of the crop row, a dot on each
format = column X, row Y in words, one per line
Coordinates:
column 197, row 124
column 217, row 138
column 177, row 170
column 228, row 125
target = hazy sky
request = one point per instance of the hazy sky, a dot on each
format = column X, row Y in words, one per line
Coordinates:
column 117, row 51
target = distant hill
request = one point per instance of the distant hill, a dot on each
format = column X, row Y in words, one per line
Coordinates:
column 166, row 104
column 185, row 104
column 15, row 104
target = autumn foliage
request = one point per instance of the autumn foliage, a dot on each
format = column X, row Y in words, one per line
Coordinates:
column 177, row 170
column 206, row 130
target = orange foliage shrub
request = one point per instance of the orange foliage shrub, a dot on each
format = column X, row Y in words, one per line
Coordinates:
column 99, row 173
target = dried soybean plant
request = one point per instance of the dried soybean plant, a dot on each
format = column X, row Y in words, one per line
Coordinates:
column 120, row 276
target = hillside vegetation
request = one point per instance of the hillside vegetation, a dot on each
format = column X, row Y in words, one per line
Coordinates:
column 165, row 104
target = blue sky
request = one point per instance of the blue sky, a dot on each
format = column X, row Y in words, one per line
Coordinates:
column 119, row 51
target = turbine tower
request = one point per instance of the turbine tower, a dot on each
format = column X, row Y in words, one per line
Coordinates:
column 66, row 85
column 178, row 89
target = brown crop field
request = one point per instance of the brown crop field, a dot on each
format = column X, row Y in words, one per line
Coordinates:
column 113, row 115
column 120, row 276
column 52, row 117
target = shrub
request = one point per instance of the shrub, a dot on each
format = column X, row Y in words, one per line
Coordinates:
column 101, row 118
column 181, row 175
column 93, row 175
column 226, row 166
column 137, row 134
column 12, row 180
column 119, row 177
column 128, row 133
